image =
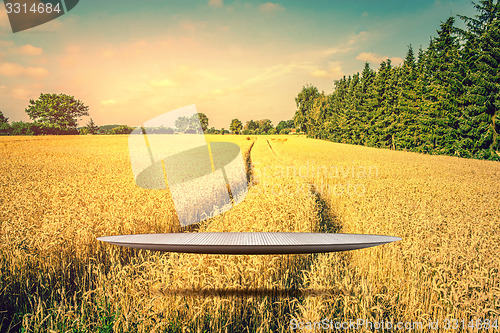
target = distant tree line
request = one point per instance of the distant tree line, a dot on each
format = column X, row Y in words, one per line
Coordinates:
column 253, row 127
column 58, row 114
column 445, row 100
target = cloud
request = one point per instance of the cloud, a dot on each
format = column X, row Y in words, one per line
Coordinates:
column 216, row 3
column 359, row 37
column 336, row 50
column 185, row 75
column 36, row 71
column 4, row 19
column 25, row 92
column 396, row 61
column 191, row 27
column 21, row 93
column 5, row 43
column 165, row 83
column 273, row 72
column 334, row 71
column 29, row 50
column 320, row 73
column 137, row 47
column 108, row 102
column 350, row 45
column 374, row 58
column 108, row 54
column 270, row 7
column 12, row 69
column 217, row 92
column 269, row 76
column 73, row 49
column 370, row 57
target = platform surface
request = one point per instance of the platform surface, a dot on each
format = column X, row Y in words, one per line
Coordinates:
column 249, row 242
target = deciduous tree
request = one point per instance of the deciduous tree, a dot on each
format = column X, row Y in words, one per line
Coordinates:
column 57, row 113
column 203, row 121
column 236, row 126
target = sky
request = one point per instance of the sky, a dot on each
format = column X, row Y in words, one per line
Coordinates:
column 130, row 61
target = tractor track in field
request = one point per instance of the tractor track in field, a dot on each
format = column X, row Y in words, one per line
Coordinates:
column 248, row 164
column 271, row 147
column 329, row 221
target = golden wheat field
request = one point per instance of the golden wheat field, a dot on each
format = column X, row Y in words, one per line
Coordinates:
column 58, row 194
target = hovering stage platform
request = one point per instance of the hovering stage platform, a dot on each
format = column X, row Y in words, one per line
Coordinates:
column 249, row 242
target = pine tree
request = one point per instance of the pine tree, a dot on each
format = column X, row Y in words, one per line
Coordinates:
column 442, row 109
column 382, row 118
column 91, row 127
column 353, row 110
column 479, row 128
column 337, row 122
column 365, row 103
column 408, row 133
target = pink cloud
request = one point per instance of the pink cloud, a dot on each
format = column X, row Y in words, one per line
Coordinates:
column 271, row 7
column 376, row 59
column 13, row 69
column 216, row 3
column 108, row 102
column 25, row 92
column 4, row 20
column 30, row 50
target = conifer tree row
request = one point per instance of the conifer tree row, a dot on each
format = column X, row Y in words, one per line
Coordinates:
column 445, row 100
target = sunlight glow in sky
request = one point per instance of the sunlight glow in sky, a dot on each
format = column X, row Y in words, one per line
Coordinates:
column 130, row 61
